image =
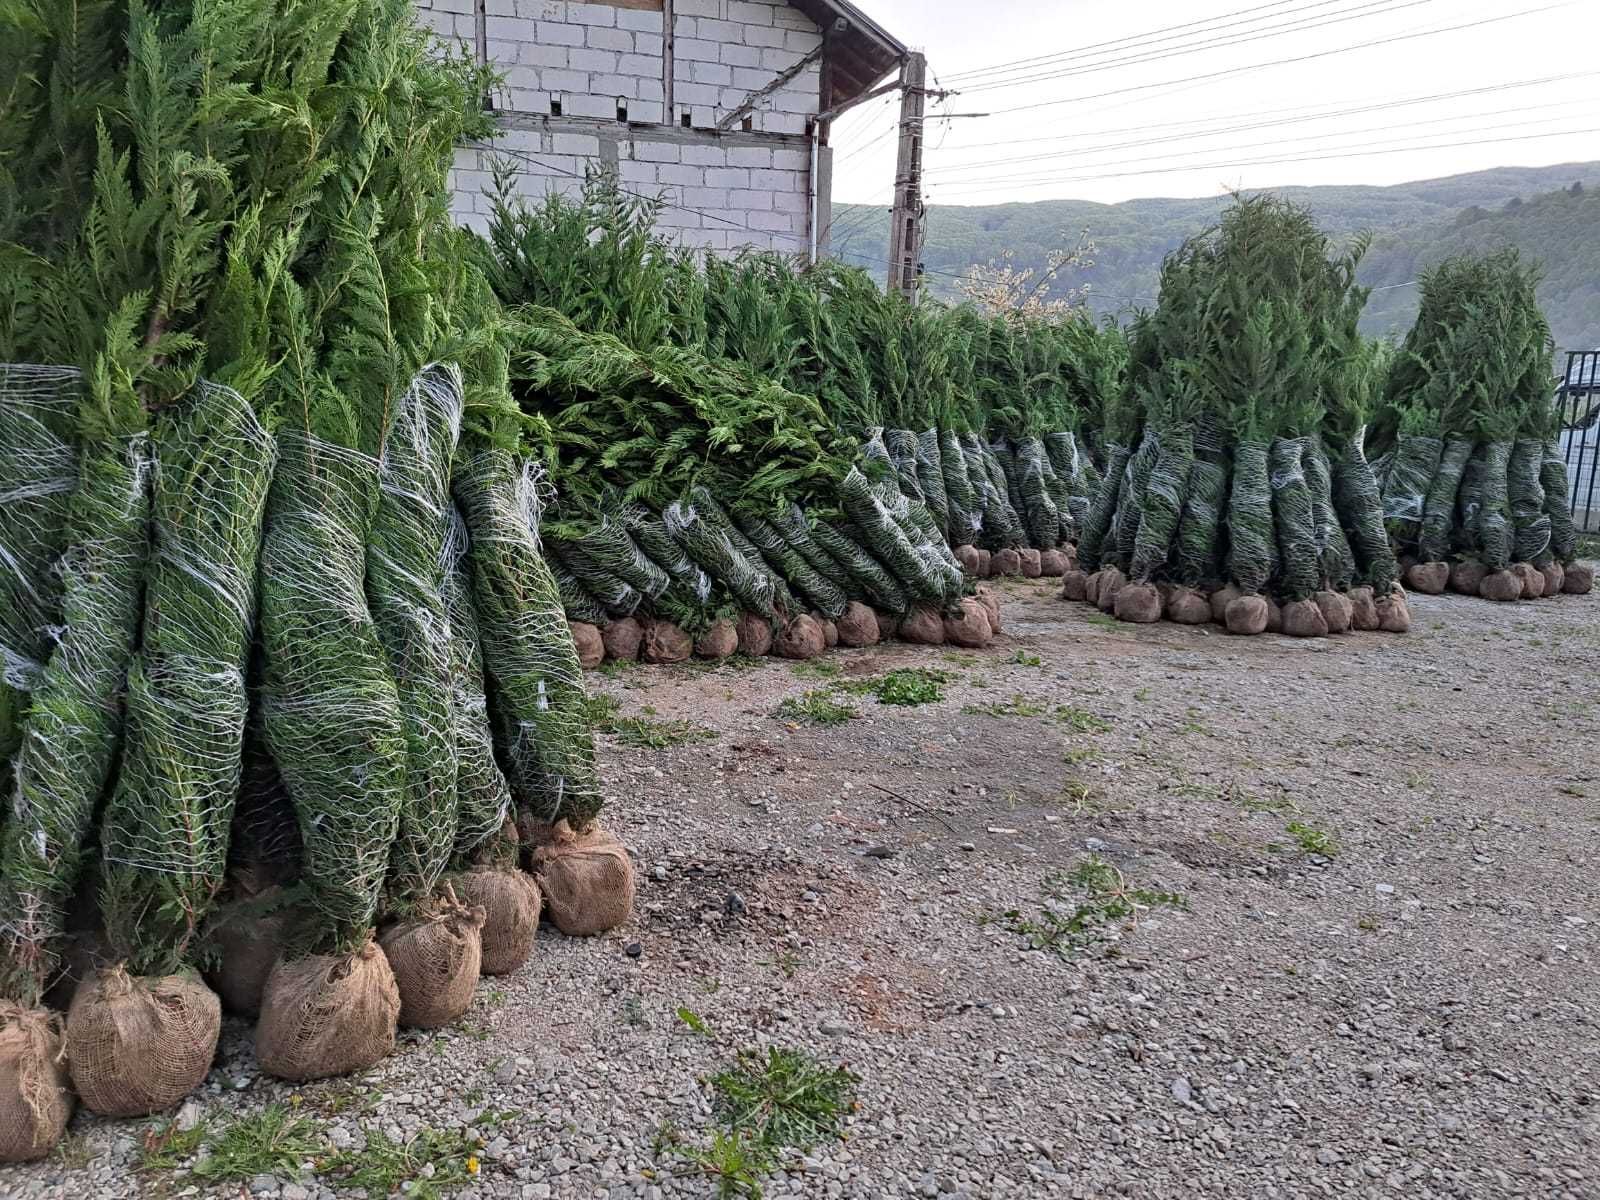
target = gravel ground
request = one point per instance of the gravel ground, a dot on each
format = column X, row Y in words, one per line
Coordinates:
column 1394, row 997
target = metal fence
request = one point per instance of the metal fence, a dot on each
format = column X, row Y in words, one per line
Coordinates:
column 1578, row 401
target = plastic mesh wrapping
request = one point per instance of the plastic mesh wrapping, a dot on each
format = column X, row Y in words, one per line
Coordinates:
column 709, row 507
column 38, row 469
column 614, row 594
column 1201, row 522
column 74, row 721
column 1250, row 531
column 576, row 600
column 884, row 537
column 332, row 714
column 965, row 520
column 1299, row 556
column 875, row 582
column 1034, row 482
column 709, row 545
column 264, row 838
column 902, row 446
column 1333, row 547
column 1097, row 525
column 165, row 832
column 406, row 590
column 653, row 540
column 1380, row 468
column 1405, row 489
column 792, row 525
column 1002, row 526
column 1530, row 522
column 1164, row 494
column 1557, row 505
column 930, row 478
column 938, row 560
column 536, row 692
column 483, row 798
column 608, row 546
column 791, row 564
column 1494, row 517
column 1469, row 500
column 1130, row 505
column 1356, row 499
column 1439, row 505
column 873, row 449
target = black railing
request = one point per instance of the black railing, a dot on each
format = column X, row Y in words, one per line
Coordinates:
column 1578, row 402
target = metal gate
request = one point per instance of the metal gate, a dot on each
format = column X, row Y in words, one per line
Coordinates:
column 1578, row 402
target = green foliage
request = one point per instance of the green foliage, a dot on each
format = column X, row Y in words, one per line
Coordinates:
column 906, row 686
column 274, row 1141
column 784, row 1098
column 815, row 707
column 1081, row 907
column 426, row 1166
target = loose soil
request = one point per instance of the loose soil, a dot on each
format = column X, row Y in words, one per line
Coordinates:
column 1384, row 983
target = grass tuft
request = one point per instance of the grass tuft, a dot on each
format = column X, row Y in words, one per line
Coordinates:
column 815, row 707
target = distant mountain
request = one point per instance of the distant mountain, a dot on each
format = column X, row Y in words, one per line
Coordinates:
column 1413, row 224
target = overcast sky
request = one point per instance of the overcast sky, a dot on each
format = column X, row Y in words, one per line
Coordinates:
column 1164, row 132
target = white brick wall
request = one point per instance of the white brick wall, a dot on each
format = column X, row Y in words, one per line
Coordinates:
column 721, row 192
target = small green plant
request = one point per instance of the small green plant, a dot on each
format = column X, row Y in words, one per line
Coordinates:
column 1312, row 840
column 1369, row 922
column 693, row 1020
column 1080, row 720
column 1079, row 756
column 1142, row 695
column 432, row 1164
column 615, row 668
column 633, row 1013
column 274, row 1141
column 816, row 670
column 1023, row 659
column 650, row 734
column 815, row 707
column 786, row 963
column 1416, row 779
column 732, row 1161
column 783, row 1098
column 1103, row 620
column 164, row 1146
column 961, row 658
column 907, row 686
column 1017, row 706
column 1081, row 904
column 74, row 1152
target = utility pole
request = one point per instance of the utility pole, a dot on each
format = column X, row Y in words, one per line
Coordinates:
column 905, row 224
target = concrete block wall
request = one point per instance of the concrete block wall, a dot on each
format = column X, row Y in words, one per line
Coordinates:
column 726, row 49
column 722, row 190
column 718, row 193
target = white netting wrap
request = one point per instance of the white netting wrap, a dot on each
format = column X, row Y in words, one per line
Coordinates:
column 164, row 836
column 38, row 469
column 405, row 588
column 1405, row 486
column 709, row 545
column 536, row 692
column 483, row 798
column 331, row 712
column 70, row 736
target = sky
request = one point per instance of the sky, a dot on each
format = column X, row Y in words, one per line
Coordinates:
column 1109, row 100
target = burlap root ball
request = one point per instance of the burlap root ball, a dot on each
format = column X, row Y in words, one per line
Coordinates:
column 858, row 626
column 1555, row 578
column 586, row 879
column 990, row 599
column 1363, row 610
column 1030, row 562
column 1532, row 580
column 801, row 638
column 1005, row 562
column 1466, row 575
column 138, row 1045
column 1246, row 615
column 969, row 628
column 1112, row 581
column 1220, row 599
column 1074, row 585
column 328, row 1014
column 35, row 1094
column 510, row 902
column 755, row 634
column 1577, row 579
column 1303, row 618
column 1504, row 586
column 666, row 643
column 967, row 556
column 623, row 639
column 1429, row 578
column 1053, row 564
column 922, row 626
column 1185, row 606
column 435, row 959
column 719, row 641
column 590, row 645
column 1394, row 614
column 1336, row 610
column 1138, row 602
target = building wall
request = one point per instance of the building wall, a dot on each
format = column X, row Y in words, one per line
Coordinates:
column 585, row 85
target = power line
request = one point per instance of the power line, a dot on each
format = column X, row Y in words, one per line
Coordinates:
column 1353, row 152
column 1384, row 8
column 1084, row 50
column 1301, row 114
column 1387, row 41
column 1310, row 137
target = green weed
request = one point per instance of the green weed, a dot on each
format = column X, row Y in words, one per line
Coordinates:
column 815, row 707
column 1017, row 706
column 1081, row 905
column 1023, row 659
column 816, row 670
column 432, row 1164
column 1312, row 840
column 1080, row 720
column 783, row 1098
column 274, row 1141
column 164, row 1146
column 908, row 686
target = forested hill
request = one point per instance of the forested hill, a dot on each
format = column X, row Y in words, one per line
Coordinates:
column 1413, row 224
